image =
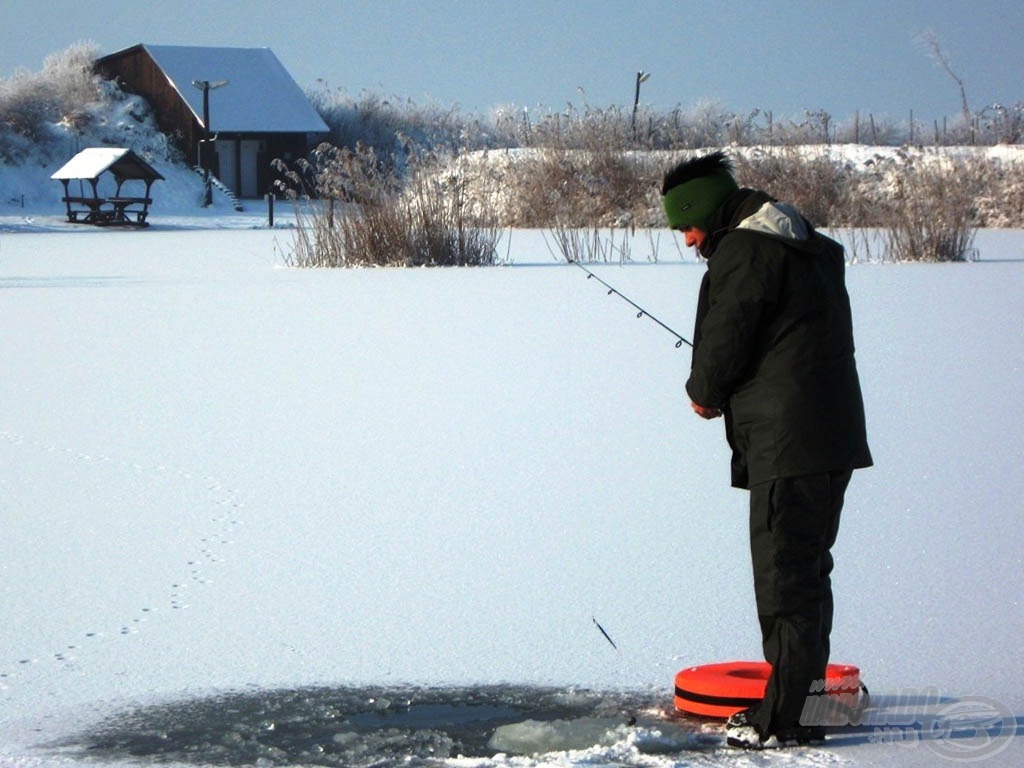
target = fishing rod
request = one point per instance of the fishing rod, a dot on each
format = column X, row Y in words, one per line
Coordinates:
column 641, row 312
column 605, row 633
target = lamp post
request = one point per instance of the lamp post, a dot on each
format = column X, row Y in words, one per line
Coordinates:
column 641, row 77
column 206, row 86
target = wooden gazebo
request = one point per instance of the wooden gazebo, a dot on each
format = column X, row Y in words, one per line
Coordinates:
column 118, row 208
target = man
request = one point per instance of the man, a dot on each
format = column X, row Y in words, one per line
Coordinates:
column 773, row 354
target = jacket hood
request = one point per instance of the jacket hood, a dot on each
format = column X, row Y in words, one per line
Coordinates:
column 759, row 212
column 779, row 220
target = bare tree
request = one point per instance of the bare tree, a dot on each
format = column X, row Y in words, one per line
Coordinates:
column 931, row 40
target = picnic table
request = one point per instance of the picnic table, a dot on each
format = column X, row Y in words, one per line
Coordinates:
column 93, row 212
column 124, row 213
column 105, row 211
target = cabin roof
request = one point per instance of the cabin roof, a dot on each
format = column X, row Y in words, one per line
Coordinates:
column 259, row 97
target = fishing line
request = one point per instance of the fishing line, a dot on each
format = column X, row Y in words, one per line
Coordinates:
column 630, row 716
column 641, row 312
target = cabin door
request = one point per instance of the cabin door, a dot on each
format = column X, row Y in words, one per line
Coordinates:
column 248, row 176
column 238, row 161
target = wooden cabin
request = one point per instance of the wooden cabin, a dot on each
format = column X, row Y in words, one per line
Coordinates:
column 256, row 111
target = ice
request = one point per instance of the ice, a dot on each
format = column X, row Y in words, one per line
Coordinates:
column 223, row 476
column 532, row 737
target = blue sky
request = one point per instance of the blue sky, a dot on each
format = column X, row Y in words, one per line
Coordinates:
column 785, row 56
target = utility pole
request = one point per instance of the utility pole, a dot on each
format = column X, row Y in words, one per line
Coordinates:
column 641, row 77
column 204, row 155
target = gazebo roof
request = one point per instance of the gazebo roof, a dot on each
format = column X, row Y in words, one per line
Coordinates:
column 121, row 162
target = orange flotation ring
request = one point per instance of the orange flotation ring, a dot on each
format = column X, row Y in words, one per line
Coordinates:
column 719, row 690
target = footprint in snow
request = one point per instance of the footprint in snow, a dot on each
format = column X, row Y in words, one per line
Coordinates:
column 209, row 546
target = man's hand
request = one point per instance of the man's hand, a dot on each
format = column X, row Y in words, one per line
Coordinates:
column 705, row 413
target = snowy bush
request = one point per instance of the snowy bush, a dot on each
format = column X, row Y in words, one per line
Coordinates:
column 616, row 188
column 47, row 116
column 59, row 93
column 574, row 188
column 1002, row 124
column 387, row 124
column 366, row 215
column 931, row 210
column 818, row 186
column 927, row 204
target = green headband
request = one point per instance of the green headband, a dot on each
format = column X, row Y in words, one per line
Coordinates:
column 691, row 203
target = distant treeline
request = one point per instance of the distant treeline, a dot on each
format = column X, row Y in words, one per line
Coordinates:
column 373, row 120
column 65, row 91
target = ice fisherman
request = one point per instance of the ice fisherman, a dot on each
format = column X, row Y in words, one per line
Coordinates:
column 773, row 354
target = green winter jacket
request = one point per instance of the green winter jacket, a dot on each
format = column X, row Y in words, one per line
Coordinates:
column 773, row 344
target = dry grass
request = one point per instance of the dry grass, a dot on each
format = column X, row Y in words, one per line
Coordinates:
column 818, row 186
column 931, row 213
column 364, row 214
column 580, row 172
column 449, row 211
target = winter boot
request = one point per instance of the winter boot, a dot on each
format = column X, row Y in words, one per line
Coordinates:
column 741, row 733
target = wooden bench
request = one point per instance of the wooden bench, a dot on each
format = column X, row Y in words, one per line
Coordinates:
column 124, row 213
column 106, row 211
column 91, row 212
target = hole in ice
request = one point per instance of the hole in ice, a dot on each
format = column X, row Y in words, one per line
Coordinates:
column 345, row 726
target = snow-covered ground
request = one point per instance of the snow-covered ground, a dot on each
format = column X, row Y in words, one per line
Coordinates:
column 221, row 478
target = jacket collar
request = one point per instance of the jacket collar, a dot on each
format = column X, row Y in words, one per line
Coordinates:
column 738, row 206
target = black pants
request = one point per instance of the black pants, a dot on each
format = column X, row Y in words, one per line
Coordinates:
column 793, row 525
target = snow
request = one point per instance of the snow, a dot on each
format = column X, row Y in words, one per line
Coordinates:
column 224, row 480
column 91, row 162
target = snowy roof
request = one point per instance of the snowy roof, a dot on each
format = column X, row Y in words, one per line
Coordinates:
column 90, row 163
column 260, row 96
